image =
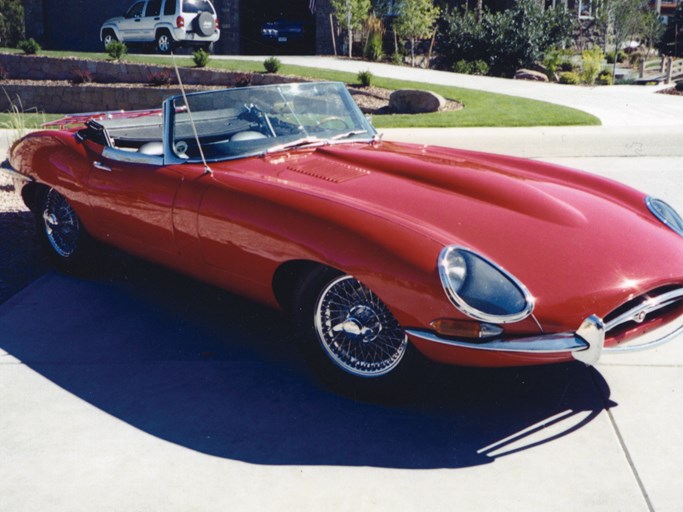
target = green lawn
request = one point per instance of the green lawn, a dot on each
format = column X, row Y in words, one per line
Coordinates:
column 481, row 108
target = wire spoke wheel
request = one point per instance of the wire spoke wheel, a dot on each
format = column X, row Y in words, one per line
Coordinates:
column 357, row 330
column 61, row 224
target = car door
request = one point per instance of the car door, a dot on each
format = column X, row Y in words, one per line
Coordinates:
column 130, row 26
column 150, row 19
column 132, row 203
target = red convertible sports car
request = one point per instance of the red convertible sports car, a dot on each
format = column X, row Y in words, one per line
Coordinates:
column 380, row 251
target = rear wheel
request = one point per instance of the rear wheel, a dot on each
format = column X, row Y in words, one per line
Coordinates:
column 62, row 233
column 164, row 42
column 353, row 341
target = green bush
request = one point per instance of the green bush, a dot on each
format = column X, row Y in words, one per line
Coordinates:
column 272, row 65
column 365, row 78
column 116, row 50
column 12, row 26
column 374, row 50
column 29, row 46
column 477, row 67
column 591, row 65
column 619, row 56
column 506, row 41
column 679, row 86
column 605, row 78
column 570, row 77
column 397, row 59
column 200, row 58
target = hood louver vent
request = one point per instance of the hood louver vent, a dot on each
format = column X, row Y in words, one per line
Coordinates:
column 334, row 172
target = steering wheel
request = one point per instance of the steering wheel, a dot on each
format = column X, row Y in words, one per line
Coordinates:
column 333, row 119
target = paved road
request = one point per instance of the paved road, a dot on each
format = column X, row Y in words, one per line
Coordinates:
column 140, row 390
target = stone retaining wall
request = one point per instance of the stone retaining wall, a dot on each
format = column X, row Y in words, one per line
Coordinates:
column 67, row 97
column 39, row 67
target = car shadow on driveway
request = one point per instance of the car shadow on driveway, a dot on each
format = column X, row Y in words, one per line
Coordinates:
column 217, row 374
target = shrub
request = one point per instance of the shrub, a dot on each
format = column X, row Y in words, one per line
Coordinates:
column 397, row 59
column 477, row 67
column 116, row 50
column 200, row 58
column 29, row 46
column 605, row 78
column 81, row 76
column 365, row 78
column 591, row 64
column 679, row 86
column 160, row 78
column 272, row 64
column 243, row 79
column 570, row 77
column 506, row 41
column 373, row 49
column 613, row 56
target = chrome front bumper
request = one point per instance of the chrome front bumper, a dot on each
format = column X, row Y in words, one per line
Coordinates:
column 8, row 170
column 586, row 344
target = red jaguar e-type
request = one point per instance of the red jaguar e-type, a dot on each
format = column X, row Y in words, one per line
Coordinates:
column 380, row 251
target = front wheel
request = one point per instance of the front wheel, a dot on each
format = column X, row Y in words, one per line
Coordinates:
column 109, row 37
column 62, row 233
column 353, row 341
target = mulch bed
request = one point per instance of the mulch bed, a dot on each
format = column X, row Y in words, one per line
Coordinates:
column 672, row 91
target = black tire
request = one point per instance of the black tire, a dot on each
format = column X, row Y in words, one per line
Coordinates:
column 204, row 24
column 62, row 235
column 108, row 37
column 357, row 348
column 164, row 42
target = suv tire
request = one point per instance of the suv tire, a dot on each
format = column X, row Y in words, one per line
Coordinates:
column 164, row 42
column 108, row 37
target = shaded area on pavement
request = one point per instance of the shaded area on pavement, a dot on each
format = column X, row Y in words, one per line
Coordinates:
column 209, row 371
column 21, row 260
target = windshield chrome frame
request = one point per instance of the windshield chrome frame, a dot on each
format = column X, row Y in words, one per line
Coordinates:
column 170, row 157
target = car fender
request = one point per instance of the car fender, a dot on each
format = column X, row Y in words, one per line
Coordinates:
column 113, row 26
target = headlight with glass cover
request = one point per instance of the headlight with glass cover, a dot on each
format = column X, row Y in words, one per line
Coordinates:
column 665, row 213
column 481, row 289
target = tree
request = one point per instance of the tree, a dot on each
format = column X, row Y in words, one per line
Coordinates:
column 626, row 19
column 352, row 15
column 11, row 22
column 415, row 20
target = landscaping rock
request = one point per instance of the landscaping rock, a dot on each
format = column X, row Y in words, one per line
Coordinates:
column 413, row 101
column 529, row 74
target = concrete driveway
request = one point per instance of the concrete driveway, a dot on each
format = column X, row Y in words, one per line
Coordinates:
column 137, row 389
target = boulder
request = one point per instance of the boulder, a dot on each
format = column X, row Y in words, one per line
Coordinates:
column 529, row 74
column 413, row 101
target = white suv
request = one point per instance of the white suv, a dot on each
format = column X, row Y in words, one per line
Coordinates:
column 167, row 23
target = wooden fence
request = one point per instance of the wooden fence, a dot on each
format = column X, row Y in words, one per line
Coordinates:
column 663, row 70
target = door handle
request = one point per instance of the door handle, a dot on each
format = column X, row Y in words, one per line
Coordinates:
column 101, row 166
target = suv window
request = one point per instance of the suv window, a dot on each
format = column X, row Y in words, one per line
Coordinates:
column 169, row 8
column 136, row 10
column 153, row 8
column 194, row 6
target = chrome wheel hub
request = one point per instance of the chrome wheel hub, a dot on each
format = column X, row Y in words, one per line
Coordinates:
column 357, row 330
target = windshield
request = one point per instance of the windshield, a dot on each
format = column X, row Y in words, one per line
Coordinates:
column 234, row 123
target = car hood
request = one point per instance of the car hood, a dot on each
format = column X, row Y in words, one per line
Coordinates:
column 580, row 243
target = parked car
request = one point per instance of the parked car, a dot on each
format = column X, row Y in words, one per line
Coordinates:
column 383, row 253
column 282, row 31
column 166, row 23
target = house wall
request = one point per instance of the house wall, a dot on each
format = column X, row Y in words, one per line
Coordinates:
column 75, row 24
